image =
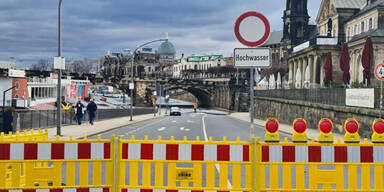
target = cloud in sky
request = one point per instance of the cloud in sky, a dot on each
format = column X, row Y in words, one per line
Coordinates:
column 28, row 28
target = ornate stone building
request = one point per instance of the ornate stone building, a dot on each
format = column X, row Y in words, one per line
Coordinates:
column 338, row 22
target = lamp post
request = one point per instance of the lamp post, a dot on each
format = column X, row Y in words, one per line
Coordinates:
column 132, row 62
column 58, row 102
column 4, row 106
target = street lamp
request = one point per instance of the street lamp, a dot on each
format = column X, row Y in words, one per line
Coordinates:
column 58, row 102
column 4, row 105
column 131, row 86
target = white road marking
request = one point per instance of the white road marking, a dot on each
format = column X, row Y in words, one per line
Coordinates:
column 140, row 128
column 161, row 129
column 206, row 139
column 174, row 121
column 189, row 121
column 182, row 128
column 186, row 129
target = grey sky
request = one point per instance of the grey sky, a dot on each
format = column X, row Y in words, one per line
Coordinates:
column 28, row 28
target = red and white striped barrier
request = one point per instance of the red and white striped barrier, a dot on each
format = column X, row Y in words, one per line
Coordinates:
column 51, row 151
column 171, row 190
column 59, row 190
column 185, row 152
column 324, row 154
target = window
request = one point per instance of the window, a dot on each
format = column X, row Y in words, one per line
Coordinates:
column 16, row 96
column 17, row 85
column 362, row 26
column 370, row 24
column 355, row 30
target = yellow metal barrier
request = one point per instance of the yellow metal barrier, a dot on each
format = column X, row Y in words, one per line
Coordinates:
column 57, row 164
column 179, row 165
column 32, row 135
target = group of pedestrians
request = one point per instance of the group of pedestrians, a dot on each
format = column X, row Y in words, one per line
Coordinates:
column 81, row 110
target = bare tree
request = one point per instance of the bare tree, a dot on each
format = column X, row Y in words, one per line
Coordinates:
column 84, row 66
column 42, row 65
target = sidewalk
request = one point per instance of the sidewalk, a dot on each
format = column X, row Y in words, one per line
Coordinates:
column 285, row 128
column 86, row 129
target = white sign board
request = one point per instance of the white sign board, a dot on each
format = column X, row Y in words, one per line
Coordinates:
column 16, row 73
column 59, row 63
column 131, row 86
column 252, row 57
column 360, row 97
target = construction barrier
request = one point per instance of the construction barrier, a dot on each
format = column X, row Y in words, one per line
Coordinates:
column 179, row 165
column 59, row 165
column 25, row 136
column 119, row 165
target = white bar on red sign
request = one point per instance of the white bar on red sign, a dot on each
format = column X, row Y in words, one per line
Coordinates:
column 236, row 153
column 378, row 154
column 159, row 152
column 185, row 152
column 17, row 151
column 353, row 154
column 134, row 151
column 70, row 151
column 275, row 153
column 44, row 151
column 210, row 152
column 327, row 154
column 301, row 153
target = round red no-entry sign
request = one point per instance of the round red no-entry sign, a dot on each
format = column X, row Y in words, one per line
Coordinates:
column 252, row 29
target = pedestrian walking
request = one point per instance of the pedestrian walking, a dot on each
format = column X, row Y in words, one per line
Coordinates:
column 79, row 112
column 92, row 108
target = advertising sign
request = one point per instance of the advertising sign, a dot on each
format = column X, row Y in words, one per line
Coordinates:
column 360, row 97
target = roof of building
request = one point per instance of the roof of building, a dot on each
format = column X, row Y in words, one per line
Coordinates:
column 166, row 48
column 197, row 58
column 372, row 33
column 345, row 4
column 369, row 7
column 274, row 38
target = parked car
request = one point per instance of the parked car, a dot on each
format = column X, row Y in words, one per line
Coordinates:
column 175, row 111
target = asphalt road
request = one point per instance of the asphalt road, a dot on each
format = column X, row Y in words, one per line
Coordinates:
column 213, row 124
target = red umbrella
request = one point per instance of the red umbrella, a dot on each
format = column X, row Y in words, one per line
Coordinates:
column 367, row 60
column 344, row 64
column 328, row 68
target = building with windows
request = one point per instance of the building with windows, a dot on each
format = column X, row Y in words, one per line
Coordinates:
column 339, row 22
column 199, row 63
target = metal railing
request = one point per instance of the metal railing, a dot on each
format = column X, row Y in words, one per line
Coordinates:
column 47, row 118
column 330, row 96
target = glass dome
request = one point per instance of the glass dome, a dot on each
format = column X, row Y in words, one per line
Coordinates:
column 166, row 48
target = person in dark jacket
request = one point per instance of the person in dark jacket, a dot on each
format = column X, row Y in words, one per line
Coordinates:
column 79, row 112
column 92, row 108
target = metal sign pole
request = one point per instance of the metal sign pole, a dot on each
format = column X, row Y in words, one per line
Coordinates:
column 251, row 103
column 381, row 96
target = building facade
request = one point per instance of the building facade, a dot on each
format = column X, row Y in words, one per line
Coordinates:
column 338, row 22
column 201, row 63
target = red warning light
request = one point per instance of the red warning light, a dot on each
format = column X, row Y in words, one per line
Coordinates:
column 325, row 126
column 272, row 125
column 379, row 127
column 352, row 126
column 300, row 125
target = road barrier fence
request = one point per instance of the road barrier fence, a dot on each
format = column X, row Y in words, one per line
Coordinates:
column 37, row 164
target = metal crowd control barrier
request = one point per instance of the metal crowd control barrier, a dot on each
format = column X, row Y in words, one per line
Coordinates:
column 179, row 165
column 25, row 136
